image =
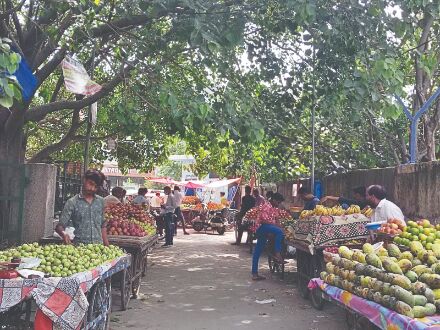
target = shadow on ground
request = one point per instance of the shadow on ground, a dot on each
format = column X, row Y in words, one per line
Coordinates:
column 203, row 282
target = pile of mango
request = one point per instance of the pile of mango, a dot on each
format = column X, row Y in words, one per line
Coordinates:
column 422, row 231
column 406, row 282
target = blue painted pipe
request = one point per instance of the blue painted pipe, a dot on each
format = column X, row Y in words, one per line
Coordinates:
column 414, row 121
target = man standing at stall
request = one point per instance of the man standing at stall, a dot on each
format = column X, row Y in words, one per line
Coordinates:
column 115, row 198
column 140, row 199
column 259, row 200
column 85, row 212
column 168, row 210
column 179, row 216
column 383, row 208
column 247, row 202
column 359, row 198
column 310, row 200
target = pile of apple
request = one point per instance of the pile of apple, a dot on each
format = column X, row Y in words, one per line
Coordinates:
column 127, row 212
column 125, row 227
column 64, row 260
column 392, row 227
column 129, row 220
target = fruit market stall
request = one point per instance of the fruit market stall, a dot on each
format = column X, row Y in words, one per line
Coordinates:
column 69, row 284
column 324, row 229
column 191, row 207
column 392, row 288
column 132, row 228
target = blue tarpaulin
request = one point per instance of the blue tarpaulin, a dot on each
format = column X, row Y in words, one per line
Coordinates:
column 26, row 79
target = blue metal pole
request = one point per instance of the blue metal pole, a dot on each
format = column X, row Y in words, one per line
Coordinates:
column 414, row 121
column 413, row 141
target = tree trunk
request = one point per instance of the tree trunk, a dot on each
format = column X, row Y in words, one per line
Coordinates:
column 430, row 142
column 11, row 164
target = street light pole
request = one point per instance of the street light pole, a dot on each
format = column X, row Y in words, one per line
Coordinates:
column 312, row 184
column 89, row 121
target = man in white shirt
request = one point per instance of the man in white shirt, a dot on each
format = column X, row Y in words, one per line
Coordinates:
column 156, row 201
column 179, row 216
column 168, row 212
column 383, row 208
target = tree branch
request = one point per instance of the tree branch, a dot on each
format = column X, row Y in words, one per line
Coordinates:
column 45, row 52
column 40, row 112
column 50, row 66
column 57, row 89
column 43, row 154
column 12, row 10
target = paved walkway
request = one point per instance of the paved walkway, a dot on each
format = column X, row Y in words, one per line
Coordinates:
column 203, row 282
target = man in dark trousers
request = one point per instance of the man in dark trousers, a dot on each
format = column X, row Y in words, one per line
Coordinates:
column 168, row 210
column 247, row 202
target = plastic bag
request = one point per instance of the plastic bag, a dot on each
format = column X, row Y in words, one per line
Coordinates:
column 28, row 263
column 69, row 231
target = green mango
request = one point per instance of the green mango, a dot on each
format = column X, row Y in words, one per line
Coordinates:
column 412, row 276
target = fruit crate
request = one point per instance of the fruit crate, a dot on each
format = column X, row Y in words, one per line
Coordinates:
column 139, row 248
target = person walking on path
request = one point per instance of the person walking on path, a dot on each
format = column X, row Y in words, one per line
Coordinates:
column 85, row 212
column 179, row 216
column 168, row 212
column 247, row 202
column 268, row 224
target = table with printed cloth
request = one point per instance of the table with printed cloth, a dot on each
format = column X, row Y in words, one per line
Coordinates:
column 379, row 315
column 313, row 234
column 63, row 302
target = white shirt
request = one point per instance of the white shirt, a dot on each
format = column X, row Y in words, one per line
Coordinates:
column 386, row 210
column 178, row 196
column 155, row 201
column 170, row 204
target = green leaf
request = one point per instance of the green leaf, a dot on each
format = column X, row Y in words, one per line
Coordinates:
column 172, row 101
column 6, row 101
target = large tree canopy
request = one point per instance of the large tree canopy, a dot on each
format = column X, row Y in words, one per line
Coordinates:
column 236, row 79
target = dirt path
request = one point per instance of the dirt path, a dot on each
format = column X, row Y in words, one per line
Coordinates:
column 204, row 283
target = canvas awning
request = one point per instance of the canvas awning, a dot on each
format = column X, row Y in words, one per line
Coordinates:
column 166, row 181
column 222, row 183
column 193, row 184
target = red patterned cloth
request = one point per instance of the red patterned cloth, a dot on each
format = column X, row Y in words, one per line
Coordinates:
column 266, row 214
column 62, row 300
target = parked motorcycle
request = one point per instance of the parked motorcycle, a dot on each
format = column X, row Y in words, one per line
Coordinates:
column 210, row 220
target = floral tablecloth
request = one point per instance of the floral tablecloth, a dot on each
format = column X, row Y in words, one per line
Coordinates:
column 63, row 300
column 328, row 230
column 381, row 316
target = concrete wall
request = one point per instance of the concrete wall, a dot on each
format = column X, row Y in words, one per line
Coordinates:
column 39, row 200
column 415, row 188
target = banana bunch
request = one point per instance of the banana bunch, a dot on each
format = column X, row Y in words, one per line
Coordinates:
column 337, row 210
column 333, row 211
column 353, row 209
column 368, row 212
column 306, row 213
column 322, row 210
